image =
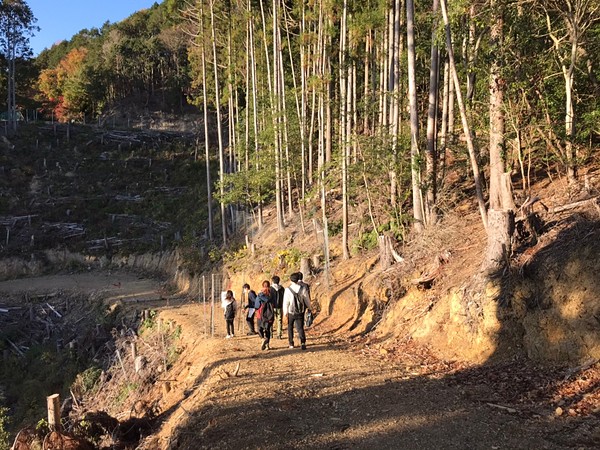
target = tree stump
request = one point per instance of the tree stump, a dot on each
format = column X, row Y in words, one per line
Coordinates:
column 385, row 254
column 305, row 267
column 501, row 226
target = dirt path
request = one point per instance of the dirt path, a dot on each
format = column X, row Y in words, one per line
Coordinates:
column 329, row 397
column 115, row 285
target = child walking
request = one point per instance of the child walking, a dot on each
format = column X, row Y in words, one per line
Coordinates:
column 230, row 308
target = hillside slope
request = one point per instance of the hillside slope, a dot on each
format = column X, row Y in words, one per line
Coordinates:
column 546, row 308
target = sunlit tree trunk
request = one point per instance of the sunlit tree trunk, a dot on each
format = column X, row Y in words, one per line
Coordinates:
column 209, row 187
column 432, row 115
column 254, row 104
column 418, row 212
column 219, row 124
column 344, row 135
column 396, row 96
column 463, row 116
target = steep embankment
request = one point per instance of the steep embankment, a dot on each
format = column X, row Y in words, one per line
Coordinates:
column 545, row 308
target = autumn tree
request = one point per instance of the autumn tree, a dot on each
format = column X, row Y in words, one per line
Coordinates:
column 66, row 88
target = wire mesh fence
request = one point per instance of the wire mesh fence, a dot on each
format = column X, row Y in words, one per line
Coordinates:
column 211, row 290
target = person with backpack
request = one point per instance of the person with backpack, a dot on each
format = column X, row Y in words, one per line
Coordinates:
column 265, row 314
column 305, row 291
column 250, row 308
column 294, row 306
column 229, row 307
column 277, row 292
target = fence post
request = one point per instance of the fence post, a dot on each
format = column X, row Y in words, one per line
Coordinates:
column 53, row 403
column 204, row 304
column 212, row 306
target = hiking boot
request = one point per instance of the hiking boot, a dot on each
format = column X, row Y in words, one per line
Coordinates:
column 303, row 346
column 264, row 345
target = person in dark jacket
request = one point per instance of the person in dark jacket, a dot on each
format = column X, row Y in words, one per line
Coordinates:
column 265, row 314
column 229, row 306
column 250, row 308
column 277, row 294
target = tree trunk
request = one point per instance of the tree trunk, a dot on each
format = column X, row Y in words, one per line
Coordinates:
column 432, row 113
column 418, row 212
column 501, row 225
column 463, row 116
column 219, row 124
column 344, row 135
column 501, row 203
column 209, row 200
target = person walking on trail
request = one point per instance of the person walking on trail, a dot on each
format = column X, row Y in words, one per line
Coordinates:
column 294, row 306
column 250, row 308
column 277, row 293
column 265, row 314
column 229, row 306
column 308, row 317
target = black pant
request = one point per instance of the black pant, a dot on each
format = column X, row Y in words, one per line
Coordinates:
column 298, row 321
column 250, row 324
column 265, row 332
column 229, row 326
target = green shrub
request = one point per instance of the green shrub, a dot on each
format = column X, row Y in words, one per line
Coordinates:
column 334, row 227
column 86, row 380
column 365, row 242
column 289, row 258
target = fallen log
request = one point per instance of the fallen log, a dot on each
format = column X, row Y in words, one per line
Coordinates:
column 54, row 310
column 587, row 202
column 14, row 346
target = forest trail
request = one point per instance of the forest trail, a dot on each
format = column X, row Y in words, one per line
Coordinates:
column 229, row 394
column 233, row 395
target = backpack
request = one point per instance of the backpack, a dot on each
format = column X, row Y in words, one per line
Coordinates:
column 309, row 318
column 265, row 314
column 229, row 312
column 299, row 306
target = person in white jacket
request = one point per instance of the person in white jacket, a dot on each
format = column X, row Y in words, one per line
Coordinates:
column 295, row 303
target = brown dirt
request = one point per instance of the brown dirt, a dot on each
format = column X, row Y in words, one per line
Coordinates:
column 338, row 395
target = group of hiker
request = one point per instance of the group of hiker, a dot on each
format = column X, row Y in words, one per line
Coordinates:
column 268, row 308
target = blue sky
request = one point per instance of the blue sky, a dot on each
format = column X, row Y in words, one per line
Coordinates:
column 61, row 19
